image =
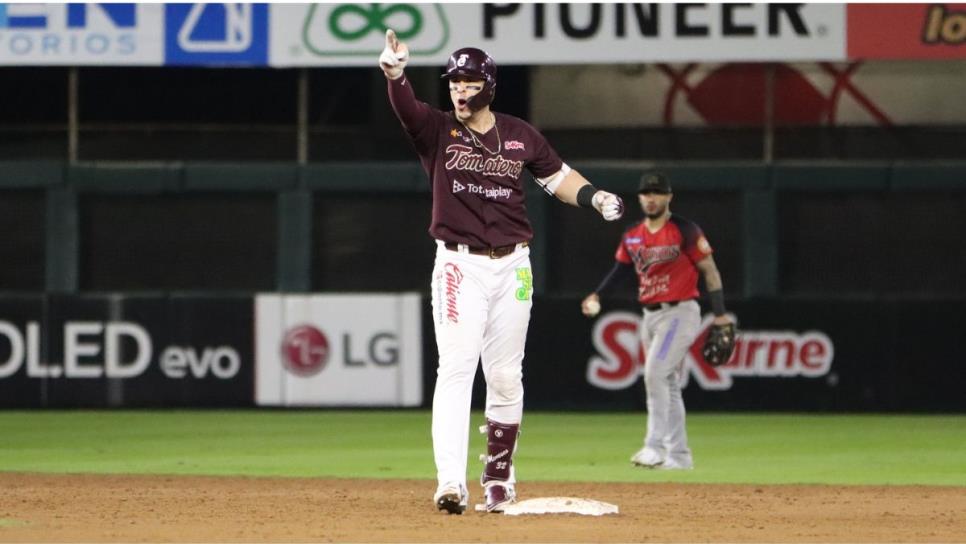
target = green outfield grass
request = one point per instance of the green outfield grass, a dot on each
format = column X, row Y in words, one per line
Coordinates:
column 745, row 448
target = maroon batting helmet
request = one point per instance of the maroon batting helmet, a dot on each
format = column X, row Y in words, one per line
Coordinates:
column 474, row 63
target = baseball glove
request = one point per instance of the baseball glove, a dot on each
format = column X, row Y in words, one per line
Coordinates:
column 719, row 344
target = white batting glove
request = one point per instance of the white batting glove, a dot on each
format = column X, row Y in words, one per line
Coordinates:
column 610, row 206
column 394, row 57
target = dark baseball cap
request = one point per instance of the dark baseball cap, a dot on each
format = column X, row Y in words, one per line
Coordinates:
column 654, row 182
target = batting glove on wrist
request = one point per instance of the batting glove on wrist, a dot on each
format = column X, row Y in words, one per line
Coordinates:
column 610, row 206
column 394, row 57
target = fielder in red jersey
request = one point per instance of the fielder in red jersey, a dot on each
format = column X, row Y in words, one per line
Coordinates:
column 482, row 280
column 667, row 253
column 665, row 261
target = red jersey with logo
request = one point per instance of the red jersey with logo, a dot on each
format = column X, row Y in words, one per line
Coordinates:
column 478, row 192
column 665, row 260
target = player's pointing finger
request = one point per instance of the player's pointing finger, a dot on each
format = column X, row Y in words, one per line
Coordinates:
column 391, row 41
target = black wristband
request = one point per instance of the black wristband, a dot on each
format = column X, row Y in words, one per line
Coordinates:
column 585, row 196
column 717, row 302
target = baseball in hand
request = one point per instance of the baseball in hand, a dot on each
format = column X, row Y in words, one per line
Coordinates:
column 592, row 307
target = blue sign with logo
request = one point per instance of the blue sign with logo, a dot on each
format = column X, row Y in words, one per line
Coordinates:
column 36, row 16
column 96, row 33
column 211, row 34
column 20, row 21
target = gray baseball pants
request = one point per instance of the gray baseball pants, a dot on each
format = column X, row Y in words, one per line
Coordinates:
column 666, row 335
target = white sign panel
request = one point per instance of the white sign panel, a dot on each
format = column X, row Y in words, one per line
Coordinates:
column 81, row 34
column 338, row 350
column 353, row 34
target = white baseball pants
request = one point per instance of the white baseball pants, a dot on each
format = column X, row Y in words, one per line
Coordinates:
column 481, row 312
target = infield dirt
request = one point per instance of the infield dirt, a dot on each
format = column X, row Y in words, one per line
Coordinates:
column 112, row 508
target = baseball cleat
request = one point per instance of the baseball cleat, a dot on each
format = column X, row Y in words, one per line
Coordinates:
column 451, row 498
column 647, row 457
column 672, row 464
column 499, row 496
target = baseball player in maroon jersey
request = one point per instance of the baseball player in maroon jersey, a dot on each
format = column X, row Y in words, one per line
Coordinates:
column 482, row 281
column 667, row 252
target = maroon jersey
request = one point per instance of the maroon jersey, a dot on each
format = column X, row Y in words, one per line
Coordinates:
column 478, row 191
column 664, row 260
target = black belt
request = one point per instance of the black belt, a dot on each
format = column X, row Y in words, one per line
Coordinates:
column 491, row 252
column 663, row 305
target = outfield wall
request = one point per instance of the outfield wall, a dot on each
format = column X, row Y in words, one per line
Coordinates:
column 324, row 350
column 865, row 254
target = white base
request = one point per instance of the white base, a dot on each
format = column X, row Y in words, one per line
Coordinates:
column 557, row 505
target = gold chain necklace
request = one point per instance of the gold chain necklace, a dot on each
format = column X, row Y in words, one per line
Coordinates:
column 478, row 143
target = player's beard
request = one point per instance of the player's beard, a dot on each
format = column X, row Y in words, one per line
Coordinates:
column 658, row 212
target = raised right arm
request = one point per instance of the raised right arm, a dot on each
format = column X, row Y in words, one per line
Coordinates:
column 411, row 112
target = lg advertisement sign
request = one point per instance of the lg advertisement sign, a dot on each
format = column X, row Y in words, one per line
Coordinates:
column 338, row 350
column 92, row 349
column 179, row 351
column 99, row 350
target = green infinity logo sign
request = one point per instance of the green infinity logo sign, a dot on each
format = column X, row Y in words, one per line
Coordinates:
column 375, row 21
column 359, row 29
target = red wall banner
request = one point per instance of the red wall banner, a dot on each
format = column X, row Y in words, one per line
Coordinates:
column 906, row 31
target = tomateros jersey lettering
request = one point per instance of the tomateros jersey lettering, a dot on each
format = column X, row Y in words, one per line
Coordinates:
column 476, row 179
column 462, row 157
column 664, row 260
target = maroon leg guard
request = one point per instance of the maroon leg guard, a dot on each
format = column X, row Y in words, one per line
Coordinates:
column 501, row 441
